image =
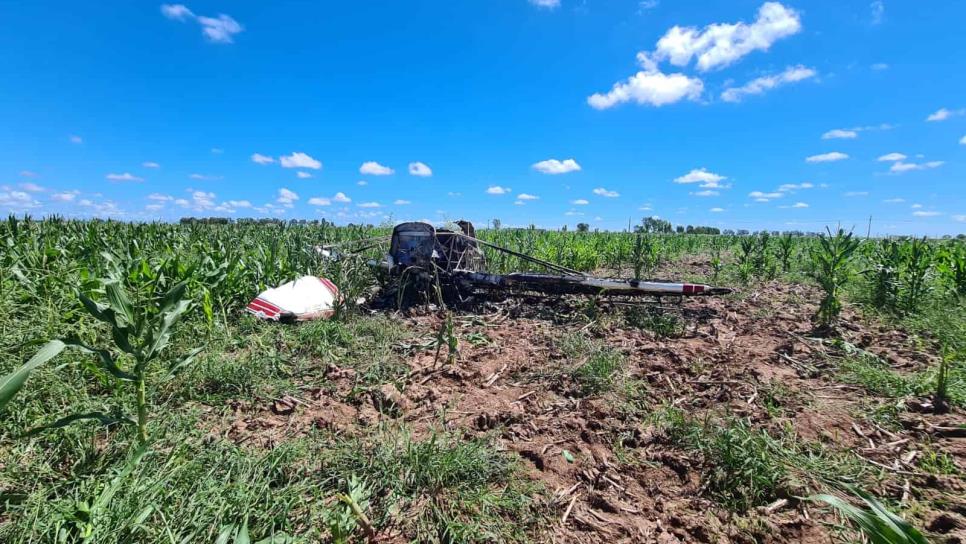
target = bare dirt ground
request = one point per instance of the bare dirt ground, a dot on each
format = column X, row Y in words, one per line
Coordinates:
column 625, row 483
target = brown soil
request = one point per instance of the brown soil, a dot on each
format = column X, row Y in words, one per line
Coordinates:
column 626, row 484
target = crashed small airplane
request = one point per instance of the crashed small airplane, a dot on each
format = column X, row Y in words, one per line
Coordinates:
column 455, row 255
column 421, row 256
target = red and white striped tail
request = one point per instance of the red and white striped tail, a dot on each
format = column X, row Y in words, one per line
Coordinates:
column 306, row 298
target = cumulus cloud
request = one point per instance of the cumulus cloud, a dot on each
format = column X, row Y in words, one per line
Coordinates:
column 370, row 205
column 706, row 192
column 894, row 200
column 373, row 168
column 892, row 157
column 900, row 166
column 526, row 196
column 716, row 210
column 204, row 177
column 827, row 157
column 960, row 217
column 600, row 191
column 497, row 190
column 942, row 114
column 550, row 4
column 554, row 166
column 303, row 175
column 580, row 202
column 840, row 133
column 799, row 205
column 150, row 164
column 32, row 187
column 65, row 196
column 788, row 187
column 319, row 201
column 924, row 213
column 721, row 44
column 220, row 29
column 761, row 196
column 792, row 74
column 649, row 88
column 286, row 197
column 401, row 202
column 420, row 169
column 700, row 175
column 855, row 193
column 265, row 159
column 126, row 176
column 296, row 160
column 341, row 198
column 962, row 141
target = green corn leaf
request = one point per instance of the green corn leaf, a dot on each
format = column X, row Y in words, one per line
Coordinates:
column 102, row 418
column 185, row 361
column 173, row 296
column 877, row 524
column 11, row 383
column 118, row 300
column 107, row 361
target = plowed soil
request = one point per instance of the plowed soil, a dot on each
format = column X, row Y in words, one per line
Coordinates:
column 623, row 481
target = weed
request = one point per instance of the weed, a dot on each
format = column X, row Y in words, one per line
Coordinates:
column 662, row 324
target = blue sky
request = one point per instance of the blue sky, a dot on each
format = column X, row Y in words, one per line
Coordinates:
column 740, row 114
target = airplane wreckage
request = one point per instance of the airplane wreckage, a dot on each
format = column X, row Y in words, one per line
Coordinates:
column 422, row 258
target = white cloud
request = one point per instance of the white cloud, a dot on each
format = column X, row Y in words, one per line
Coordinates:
column 295, row 160
column 150, row 164
column 840, row 134
column 926, row 214
column 827, row 157
column 900, row 167
column 158, row 197
column 716, row 210
column 370, row 205
column 892, row 157
column 700, row 175
column 960, row 217
column 792, row 74
column 65, row 196
column 942, row 114
column 32, row 187
column 600, row 191
column 651, row 88
column 220, row 29
column 401, row 202
column 916, row 206
column 880, row 66
column 550, row 4
column 340, row 197
column 721, row 44
column 286, row 197
column 319, row 201
column 238, row 204
column 878, row 11
column 362, row 183
column 204, row 177
column 74, row 139
column 580, row 202
column 894, row 200
column 553, row 166
column 706, row 192
column 420, row 169
column 526, row 196
column 855, row 193
column 17, row 200
column 799, row 205
column 786, row 187
column 28, row 174
column 373, row 168
column 176, row 11
column 765, row 197
column 262, row 159
column 962, row 141
column 303, row 175
column 497, row 190
column 126, row 176
column 573, row 213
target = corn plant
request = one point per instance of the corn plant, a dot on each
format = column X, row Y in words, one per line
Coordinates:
column 886, row 264
column 784, row 249
column 830, row 268
column 877, row 523
column 917, row 267
column 952, row 267
column 140, row 332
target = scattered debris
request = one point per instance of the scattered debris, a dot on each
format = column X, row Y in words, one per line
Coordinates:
column 304, row 299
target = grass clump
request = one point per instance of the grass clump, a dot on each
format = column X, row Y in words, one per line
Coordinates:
column 440, row 488
column 748, row 467
column 662, row 324
column 597, row 366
